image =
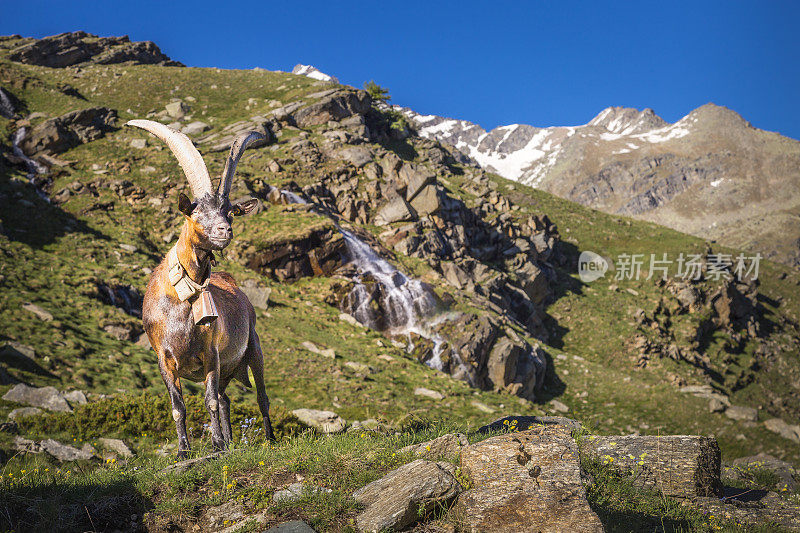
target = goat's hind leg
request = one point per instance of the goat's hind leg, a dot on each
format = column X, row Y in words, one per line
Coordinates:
column 225, row 412
column 256, row 364
column 173, row 383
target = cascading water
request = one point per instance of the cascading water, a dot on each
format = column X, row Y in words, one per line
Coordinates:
column 402, row 301
column 34, row 167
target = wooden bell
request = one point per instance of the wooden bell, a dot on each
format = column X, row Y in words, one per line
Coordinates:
column 203, row 309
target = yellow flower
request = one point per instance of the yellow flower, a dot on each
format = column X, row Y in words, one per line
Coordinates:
column 428, row 447
column 261, row 463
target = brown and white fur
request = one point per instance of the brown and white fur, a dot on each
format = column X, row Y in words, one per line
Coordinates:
column 226, row 348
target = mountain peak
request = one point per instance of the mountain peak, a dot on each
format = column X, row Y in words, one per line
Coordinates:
column 717, row 116
column 628, row 120
column 313, row 72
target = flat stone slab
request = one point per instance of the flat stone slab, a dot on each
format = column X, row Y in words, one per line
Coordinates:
column 527, row 481
column 682, row 466
column 405, row 494
column 325, row 421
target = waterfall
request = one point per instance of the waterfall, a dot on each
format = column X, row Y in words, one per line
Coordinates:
column 404, row 305
column 6, row 107
column 33, row 166
column 292, row 198
column 407, row 306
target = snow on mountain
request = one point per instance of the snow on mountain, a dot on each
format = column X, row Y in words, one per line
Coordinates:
column 526, row 153
column 312, row 72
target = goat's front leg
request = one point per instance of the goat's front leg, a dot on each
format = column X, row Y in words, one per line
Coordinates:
column 211, row 367
column 166, row 365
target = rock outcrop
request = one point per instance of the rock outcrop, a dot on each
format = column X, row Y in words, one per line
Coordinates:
column 525, row 481
column 59, row 134
column 67, row 49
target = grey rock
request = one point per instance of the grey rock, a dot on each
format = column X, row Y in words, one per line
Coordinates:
column 324, row 421
column 45, row 397
column 788, row 474
column 22, row 412
column 295, row 491
column 195, row 128
column 75, row 397
column 716, row 406
column 139, row 143
column 395, row 501
column 62, row 452
column 522, row 423
column 414, row 178
column 293, row 526
column 559, row 406
column 258, row 295
column 40, row 313
column 217, row 516
column 59, row 134
column 177, row 109
column 428, row 393
column 342, row 104
column 396, row 210
column 361, row 368
column 454, row 275
column 358, row 156
column 426, row 202
column 313, row 348
column 776, row 425
column 117, row 446
column 738, row 412
column 24, row 445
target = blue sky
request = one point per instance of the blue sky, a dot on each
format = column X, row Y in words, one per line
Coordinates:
column 541, row 63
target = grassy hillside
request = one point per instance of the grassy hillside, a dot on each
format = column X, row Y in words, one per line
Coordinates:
column 59, row 254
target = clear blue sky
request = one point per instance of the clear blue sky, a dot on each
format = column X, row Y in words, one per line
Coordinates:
column 541, row 63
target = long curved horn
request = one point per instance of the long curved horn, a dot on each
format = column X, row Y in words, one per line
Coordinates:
column 184, row 151
column 237, row 149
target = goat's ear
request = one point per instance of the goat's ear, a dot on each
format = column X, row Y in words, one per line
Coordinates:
column 185, row 205
column 245, row 207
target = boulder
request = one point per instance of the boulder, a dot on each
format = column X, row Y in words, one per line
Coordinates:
column 62, row 452
column 330, row 353
column 738, row 412
column 177, row 109
column 454, row 275
column 68, row 131
column 682, row 466
column 404, row 495
column 413, row 178
column 440, row 447
column 75, row 397
column 324, row 421
column 396, row 210
column 358, row 156
column 516, row 367
column 45, row 397
column 788, row 475
column 341, row 104
column 776, row 425
column 24, row 445
column 426, row 202
column 525, row 481
column 428, row 393
column 139, row 143
column 295, row 491
column 40, row 313
column 195, row 128
column 117, row 446
column 214, row 518
column 258, row 295
column 22, row 412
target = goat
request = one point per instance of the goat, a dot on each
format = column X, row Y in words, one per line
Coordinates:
column 201, row 326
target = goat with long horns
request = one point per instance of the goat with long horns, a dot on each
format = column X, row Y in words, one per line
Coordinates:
column 201, row 326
